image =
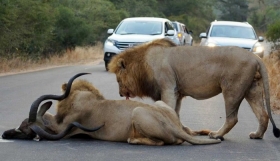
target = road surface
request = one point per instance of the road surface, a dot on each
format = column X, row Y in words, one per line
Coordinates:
column 20, row 90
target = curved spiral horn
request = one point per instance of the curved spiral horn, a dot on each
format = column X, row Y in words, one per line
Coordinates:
column 36, row 103
column 45, row 135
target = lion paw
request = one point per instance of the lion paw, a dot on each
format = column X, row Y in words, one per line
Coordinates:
column 253, row 135
column 214, row 135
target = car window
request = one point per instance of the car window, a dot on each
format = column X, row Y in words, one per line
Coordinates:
column 181, row 28
column 185, row 29
column 207, row 31
column 140, row 27
column 168, row 26
column 233, row 32
column 175, row 26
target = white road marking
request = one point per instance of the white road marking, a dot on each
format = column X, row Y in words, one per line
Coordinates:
column 5, row 141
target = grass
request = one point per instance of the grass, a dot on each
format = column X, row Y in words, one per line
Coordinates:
column 78, row 56
column 91, row 54
column 273, row 66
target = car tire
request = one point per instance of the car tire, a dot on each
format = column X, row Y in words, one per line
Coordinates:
column 106, row 65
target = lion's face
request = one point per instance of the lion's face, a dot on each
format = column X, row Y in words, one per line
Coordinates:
column 126, row 84
column 125, row 79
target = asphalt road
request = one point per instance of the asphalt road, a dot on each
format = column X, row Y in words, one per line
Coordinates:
column 17, row 92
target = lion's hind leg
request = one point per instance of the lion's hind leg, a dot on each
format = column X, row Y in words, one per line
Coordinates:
column 255, row 98
column 195, row 133
column 137, row 138
column 144, row 141
column 151, row 127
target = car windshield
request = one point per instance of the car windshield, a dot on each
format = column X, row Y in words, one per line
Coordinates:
column 233, row 32
column 140, row 27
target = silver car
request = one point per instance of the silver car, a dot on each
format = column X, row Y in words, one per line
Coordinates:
column 134, row 31
column 231, row 33
column 183, row 34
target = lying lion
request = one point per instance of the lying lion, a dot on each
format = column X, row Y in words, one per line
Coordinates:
column 115, row 120
column 171, row 73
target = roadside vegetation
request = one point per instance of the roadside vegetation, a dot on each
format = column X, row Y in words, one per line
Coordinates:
column 80, row 55
column 36, row 29
column 273, row 65
column 44, row 33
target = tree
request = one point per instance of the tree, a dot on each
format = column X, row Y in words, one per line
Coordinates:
column 25, row 26
column 273, row 33
column 70, row 30
column 91, row 18
column 136, row 8
column 39, row 27
column 197, row 15
column 236, row 10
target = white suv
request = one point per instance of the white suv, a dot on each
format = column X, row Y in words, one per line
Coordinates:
column 231, row 33
column 134, row 31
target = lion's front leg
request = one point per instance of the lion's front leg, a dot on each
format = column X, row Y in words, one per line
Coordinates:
column 50, row 122
column 178, row 105
column 171, row 99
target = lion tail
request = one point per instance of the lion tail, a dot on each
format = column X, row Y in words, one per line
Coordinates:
column 265, row 81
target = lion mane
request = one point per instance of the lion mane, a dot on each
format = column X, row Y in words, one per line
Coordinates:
column 64, row 106
column 134, row 81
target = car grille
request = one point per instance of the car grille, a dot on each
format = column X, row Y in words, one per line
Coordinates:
column 125, row 45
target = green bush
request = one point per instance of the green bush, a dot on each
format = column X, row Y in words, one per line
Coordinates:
column 24, row 27
column 273, row 33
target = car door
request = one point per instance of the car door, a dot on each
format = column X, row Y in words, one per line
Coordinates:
column 168, row 26
column 188, row 37
column 182, row 33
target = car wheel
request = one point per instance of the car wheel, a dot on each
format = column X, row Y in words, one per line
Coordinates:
column 106, row 65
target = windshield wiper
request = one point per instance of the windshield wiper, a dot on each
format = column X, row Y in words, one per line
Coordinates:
column 155, row 34
column 127, row 33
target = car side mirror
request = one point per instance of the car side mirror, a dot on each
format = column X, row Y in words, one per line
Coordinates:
column 203, row 35
column 261, row 39
column 170, row 33
column 191, row 32
column 110, row 31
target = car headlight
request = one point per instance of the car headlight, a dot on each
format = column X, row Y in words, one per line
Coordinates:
column 110, row 42
column 258, row 48
column 179, row 35
column 210, row 44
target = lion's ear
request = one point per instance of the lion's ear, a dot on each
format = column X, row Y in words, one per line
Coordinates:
column 121, row 63
column 63, row 87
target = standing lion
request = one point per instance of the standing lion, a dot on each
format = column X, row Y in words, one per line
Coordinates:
column 171, row 73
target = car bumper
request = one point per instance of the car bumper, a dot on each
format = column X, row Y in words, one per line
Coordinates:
column 260, row 54
column 109, row 52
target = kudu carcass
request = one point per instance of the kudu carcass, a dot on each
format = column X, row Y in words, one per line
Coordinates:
column 84, row 108
column 43, row 123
